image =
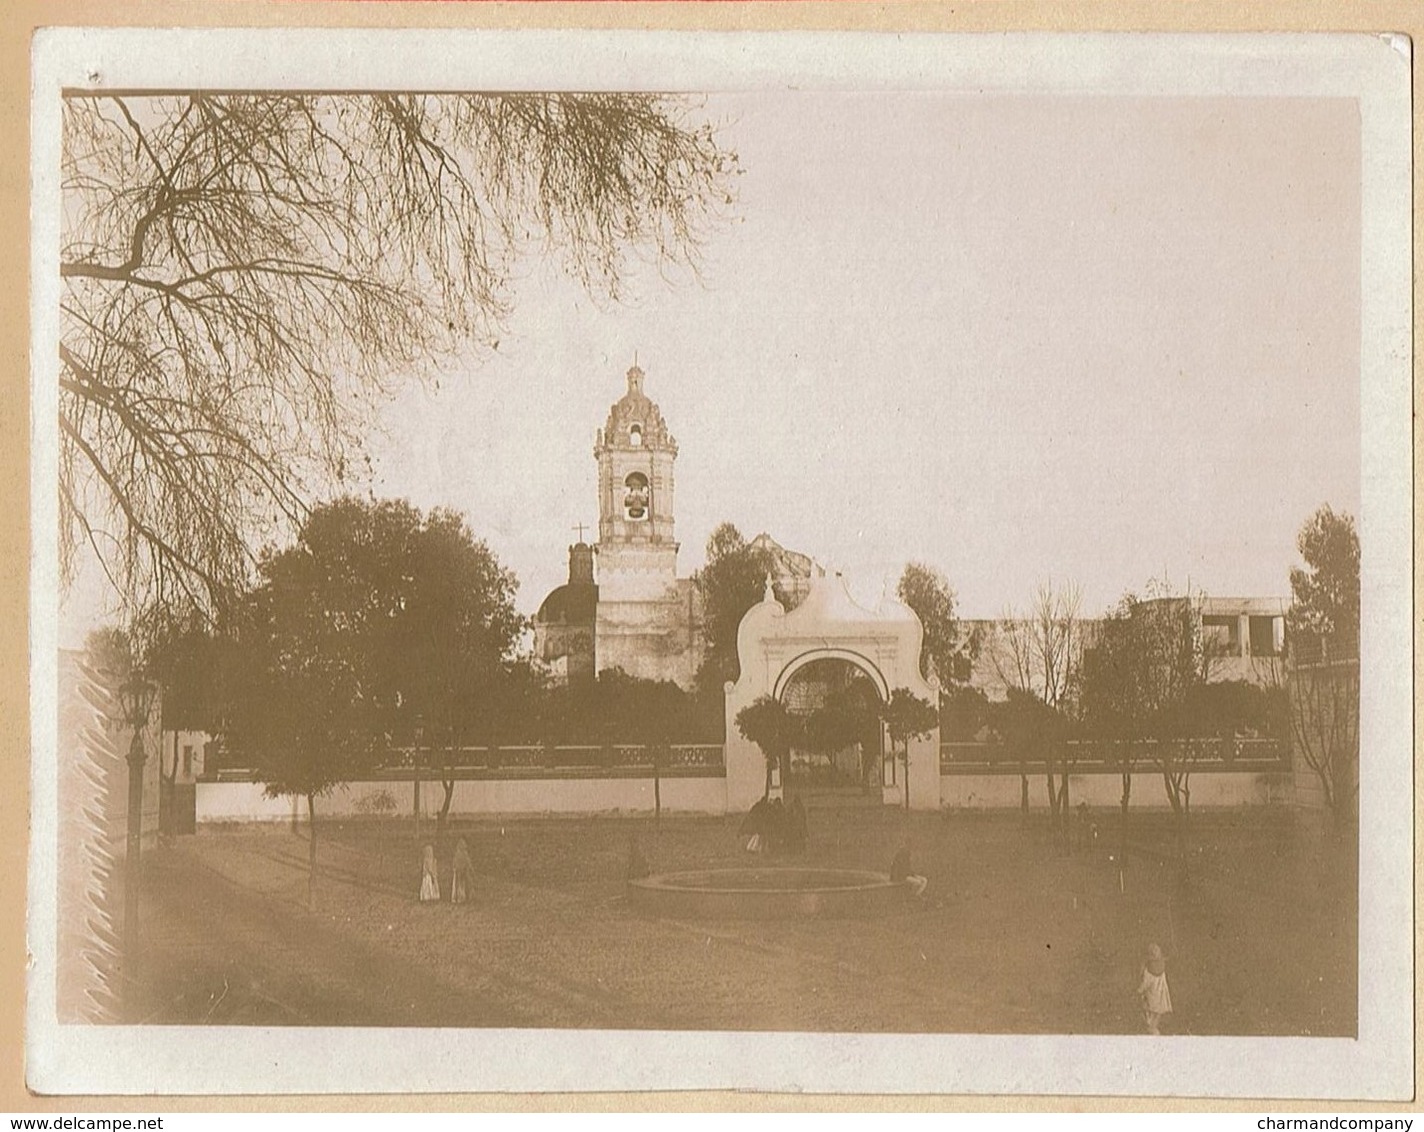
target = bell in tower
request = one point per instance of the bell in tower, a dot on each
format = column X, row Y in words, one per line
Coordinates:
column 637, row 552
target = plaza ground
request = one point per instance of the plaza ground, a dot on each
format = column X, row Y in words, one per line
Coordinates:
column 1014, row 935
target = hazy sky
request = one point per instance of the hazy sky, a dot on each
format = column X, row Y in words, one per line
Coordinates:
column 1094, row 338
column 1101, row 339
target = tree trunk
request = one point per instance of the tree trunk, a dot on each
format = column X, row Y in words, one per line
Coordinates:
column 311, row 851
column 1174, row 797
column 657, row 787
column 166, row 787
column 1023, row 793
column 1175, row 779
column 1055, row 817
column 1122, row 846
column 448, row 785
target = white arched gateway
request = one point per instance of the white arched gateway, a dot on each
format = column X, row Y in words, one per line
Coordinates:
column 772, row 645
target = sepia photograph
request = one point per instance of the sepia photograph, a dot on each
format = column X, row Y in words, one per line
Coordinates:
column 823, row 561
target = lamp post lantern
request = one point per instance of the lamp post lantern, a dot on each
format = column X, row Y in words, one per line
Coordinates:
column 136, row 699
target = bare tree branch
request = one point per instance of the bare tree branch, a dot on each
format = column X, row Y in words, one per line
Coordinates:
column 246, row 276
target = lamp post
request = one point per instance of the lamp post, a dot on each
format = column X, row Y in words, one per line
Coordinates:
column 136, row 698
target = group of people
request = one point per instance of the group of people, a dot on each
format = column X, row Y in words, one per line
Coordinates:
column 462, row 875
column 772, row 826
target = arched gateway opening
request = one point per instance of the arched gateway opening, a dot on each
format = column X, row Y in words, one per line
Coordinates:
column 829, row 645
column 837, row 697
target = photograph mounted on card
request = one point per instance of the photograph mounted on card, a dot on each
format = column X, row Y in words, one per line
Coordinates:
column 670, row 560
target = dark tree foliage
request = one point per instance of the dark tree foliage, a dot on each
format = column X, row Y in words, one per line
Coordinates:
column 964, row 713
column 1035, row 733
column 622, row 709
column 950, row 650
column 1147, row 658
column 188, row 659
column 519, row 705
column 849, row 715
column 1323, row 647
column 1030, row 727
column 1326, row 592
column 1143, row 680
column 908, row 717
column 246, row 275
column 378, row 617
column 455, row 629
column 732, row 581
column 1233, row 708
column 766, row 722
column 109, row 653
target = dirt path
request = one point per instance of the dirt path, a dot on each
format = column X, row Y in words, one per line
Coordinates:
column 1013, row 937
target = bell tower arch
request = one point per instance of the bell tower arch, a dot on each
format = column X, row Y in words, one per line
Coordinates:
column 637, row 551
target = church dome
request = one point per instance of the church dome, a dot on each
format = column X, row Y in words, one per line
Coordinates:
column 573, row 604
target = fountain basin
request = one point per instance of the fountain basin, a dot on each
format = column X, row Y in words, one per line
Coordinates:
column 766, row 893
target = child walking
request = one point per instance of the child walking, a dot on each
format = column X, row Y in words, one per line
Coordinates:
column 1156, row 998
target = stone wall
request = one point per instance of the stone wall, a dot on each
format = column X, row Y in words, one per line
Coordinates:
column 246, row 801
column 1104, row 791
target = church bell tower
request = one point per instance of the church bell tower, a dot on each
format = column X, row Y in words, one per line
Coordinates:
column 637, row 555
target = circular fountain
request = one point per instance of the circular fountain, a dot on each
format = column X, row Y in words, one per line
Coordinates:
column 766, row 893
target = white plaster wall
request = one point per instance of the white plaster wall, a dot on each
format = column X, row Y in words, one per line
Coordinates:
column 923, row 777
column 245, row 801
column 746, row 765
column 1102, row 791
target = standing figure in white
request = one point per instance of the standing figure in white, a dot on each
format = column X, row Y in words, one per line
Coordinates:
column 1152, row 990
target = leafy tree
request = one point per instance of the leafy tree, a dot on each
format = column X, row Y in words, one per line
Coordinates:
column 622, row 709
column 301, row 712
column 732, row 581
column 455, row 631
column 1326, row 591
column 245, row 275
column 766, row 722
column 518, row 707
column 963, row 713
column 906, row 717
column 1140, row 678
column 187, row 659
column 1037, row 732
column 1323, row 648
column 1231, row 708
column 109, row 653
column 948, row 652
column 1039, row 655
column 1108, row 705
column 184, row 657
column 376, row 616
column 848, row 715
